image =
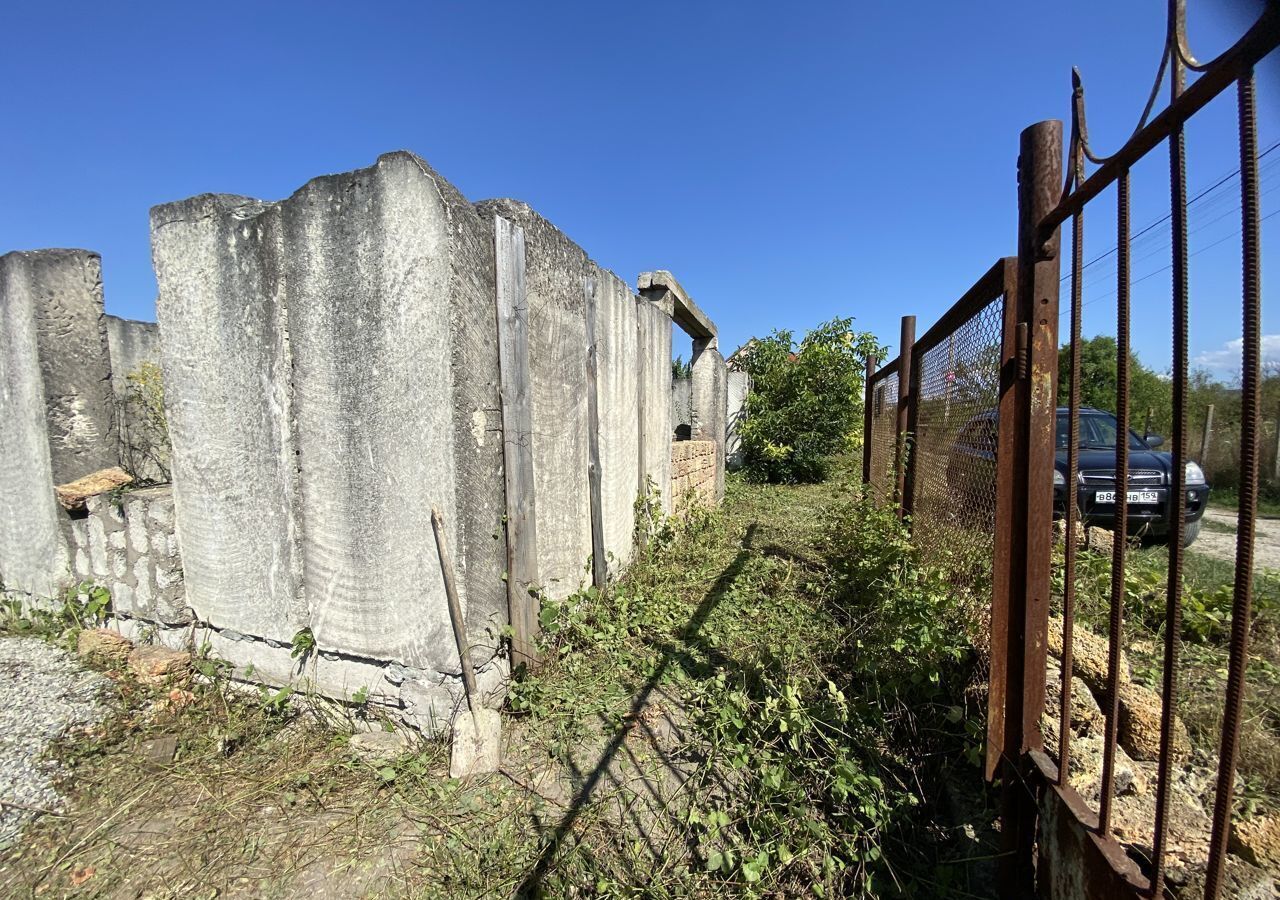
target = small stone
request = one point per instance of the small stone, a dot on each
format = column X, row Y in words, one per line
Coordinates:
column 159, row 751
column 379, row 746
column 74, row 494
column 1257, row 841
column 152, row 664
column 103, row 645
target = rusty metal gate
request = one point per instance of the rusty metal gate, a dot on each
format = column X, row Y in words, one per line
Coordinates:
column 960, row 434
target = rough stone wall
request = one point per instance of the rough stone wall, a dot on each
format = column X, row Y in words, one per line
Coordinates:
column 693, row 474
column 144, row 449
column 738, row 385
column 127, row 544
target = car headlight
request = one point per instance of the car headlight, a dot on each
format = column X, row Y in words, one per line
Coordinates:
column 1058, row 480
column 1195, row 474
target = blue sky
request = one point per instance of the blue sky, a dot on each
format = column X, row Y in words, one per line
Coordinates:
column 789, row 162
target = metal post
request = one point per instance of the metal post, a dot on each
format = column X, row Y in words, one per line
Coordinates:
column 1031, row 523
column 906, row 391
column 868, row 418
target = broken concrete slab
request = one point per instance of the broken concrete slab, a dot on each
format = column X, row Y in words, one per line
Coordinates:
column 476, row 748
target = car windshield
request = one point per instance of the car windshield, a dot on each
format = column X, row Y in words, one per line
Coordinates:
column 1097, row 432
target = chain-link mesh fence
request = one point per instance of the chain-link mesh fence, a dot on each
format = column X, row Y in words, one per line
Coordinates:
column 953, row 455
column 884, row 435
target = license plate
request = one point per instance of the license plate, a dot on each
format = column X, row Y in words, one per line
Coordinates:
column 1132, row 497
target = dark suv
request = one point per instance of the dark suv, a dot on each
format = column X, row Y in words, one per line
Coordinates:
column 971, row 468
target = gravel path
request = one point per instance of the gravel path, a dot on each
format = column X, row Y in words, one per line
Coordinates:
column 43, row 692
column 1266, row 540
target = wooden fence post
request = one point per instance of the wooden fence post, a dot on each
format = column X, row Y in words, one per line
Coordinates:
column 901, row 456
column 517, row 441
column 868, row 418
column 599, row 565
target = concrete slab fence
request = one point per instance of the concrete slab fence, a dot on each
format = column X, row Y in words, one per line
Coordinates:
column 336, row 366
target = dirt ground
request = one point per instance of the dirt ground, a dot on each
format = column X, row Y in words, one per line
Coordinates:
column 1222, row 544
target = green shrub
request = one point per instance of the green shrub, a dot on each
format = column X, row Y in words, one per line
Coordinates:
column 805, row 402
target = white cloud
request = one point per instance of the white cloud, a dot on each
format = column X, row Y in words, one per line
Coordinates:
column 1226, row 359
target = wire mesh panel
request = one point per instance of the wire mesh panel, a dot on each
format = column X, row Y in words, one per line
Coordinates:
column 884, row 422
column 954, row 452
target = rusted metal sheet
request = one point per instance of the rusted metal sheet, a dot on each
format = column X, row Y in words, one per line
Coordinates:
column 1075, row 861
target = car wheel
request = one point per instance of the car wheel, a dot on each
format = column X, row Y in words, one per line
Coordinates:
column 1190, row 533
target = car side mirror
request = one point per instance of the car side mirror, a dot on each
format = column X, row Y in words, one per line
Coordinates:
column 1155, row 440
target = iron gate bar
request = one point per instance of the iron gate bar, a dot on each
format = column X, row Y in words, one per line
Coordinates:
column 1177, row 487
column 1250, row 413
column 1120, row 501
column 1073, row 467
column 1218, row 75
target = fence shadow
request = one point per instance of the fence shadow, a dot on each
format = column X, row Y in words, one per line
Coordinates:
column 683, row 652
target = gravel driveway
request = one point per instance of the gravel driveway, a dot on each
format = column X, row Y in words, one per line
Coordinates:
column 1266, row 544
column 43, row 692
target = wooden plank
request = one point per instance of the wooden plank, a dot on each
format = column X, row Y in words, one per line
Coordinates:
column 517, row 441
column 599, row 565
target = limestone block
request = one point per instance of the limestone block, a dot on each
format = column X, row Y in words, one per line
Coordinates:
column 476, row 748
column 709, row 402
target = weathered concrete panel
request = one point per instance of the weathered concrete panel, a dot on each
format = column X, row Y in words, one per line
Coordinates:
column 681, row 402
column 738, row 385
column 618, row 393
column 709, row 401
column 144, row 446
column 226, row 361
column 655, row 399
column 74, row 364
column 389, row 275
column 557, row 358
column 34, row 555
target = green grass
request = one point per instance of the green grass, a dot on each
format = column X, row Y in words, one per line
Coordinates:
column 1227, row 499
column 771, row 702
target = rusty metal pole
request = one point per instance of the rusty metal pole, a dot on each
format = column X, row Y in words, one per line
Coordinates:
column 906, row 390
column 868, row 417
column 1031, row 547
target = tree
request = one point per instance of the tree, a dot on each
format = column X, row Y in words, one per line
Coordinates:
column 805, row 401
column 1099, row 377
